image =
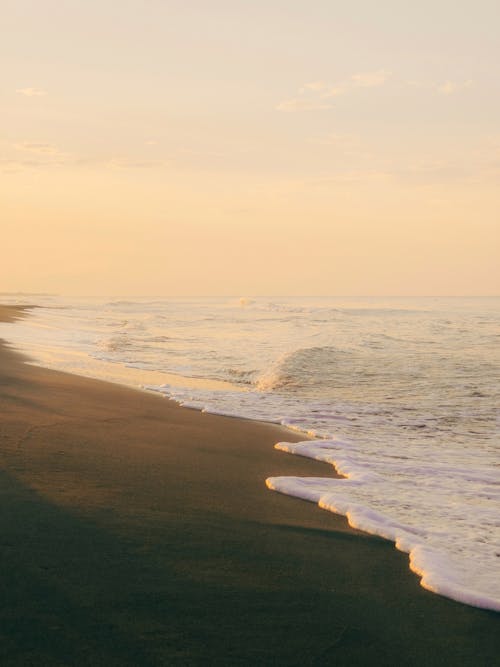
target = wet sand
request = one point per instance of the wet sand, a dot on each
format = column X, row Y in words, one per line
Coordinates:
column 135, row 532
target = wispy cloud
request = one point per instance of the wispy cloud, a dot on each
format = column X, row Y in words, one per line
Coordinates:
column 42, row 154
column 324, row 89
column 302, row 104
column 41, row 148
column 343, row 177
column 451, row 87
column 313, row 96
column 47, row 159
column 370, row 79
column 31, row 92
column 129, row 163
column 34, row 154
column 447, row 87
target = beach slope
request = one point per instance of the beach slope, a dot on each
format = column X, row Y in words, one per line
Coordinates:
column 135, row 532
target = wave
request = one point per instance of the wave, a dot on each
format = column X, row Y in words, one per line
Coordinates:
column 239, row 376
column 112, row 304
column 382, row 311
column 302, row 368
column 114, row 343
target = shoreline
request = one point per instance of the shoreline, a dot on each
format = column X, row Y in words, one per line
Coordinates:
column 138, row 532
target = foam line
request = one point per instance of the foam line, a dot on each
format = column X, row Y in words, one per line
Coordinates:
column 428, row 547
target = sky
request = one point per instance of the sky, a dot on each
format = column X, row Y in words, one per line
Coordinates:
column 168, row 147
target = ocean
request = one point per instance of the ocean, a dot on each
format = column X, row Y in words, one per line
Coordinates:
column 401, row 395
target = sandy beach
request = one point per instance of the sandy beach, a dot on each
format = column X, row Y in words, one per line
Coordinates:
column 136, row 532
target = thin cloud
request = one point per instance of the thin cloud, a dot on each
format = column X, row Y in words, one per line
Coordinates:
column 31, row 92
column 315, row 85
column 325, row 90
column 346, row 177
column 312, row 95
column 39, row 159
column 34, row 155
column 451, row 87
column 447, row 87
column 129, row 163
column 340, row 140
column 38, row 147
column 370, row 79
column 302, row 104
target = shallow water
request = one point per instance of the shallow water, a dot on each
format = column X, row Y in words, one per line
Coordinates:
column 404, row 393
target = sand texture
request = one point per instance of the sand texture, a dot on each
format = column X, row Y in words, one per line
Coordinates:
column 135, row 532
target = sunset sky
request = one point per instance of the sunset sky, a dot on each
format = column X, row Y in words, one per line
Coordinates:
column 174, row 147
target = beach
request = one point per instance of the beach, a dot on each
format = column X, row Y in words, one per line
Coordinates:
column 138, row 532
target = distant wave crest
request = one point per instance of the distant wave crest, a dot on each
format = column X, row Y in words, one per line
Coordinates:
column 305, row 367
column 113, row 343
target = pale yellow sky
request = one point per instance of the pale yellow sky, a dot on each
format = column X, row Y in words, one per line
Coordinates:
column 226, row 147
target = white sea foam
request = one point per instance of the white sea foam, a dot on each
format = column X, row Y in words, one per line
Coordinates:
column 436, row 536
column 403, row 395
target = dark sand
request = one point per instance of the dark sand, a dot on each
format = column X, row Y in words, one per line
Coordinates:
column 135, row 532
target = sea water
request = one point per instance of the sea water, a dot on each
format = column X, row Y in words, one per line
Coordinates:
column 401, row 395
